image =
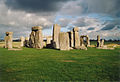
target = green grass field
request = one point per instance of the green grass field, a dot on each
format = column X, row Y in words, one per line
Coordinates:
column 54, row 65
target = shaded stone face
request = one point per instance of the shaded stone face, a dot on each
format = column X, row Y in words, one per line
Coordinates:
column 22, row 39
column 32, row 40
column 76, row 37
column 71, row 38
column 26, row 42
column 98, row 41
column 88, row 41
column 36, row 28
column 64, row 41
column 81, row 41
column 36, row 39
column 56, row 31
column 8, row 40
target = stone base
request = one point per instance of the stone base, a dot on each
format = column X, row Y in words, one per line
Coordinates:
column 105, row 47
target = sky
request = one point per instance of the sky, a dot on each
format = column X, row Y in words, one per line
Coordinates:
column 92, row 17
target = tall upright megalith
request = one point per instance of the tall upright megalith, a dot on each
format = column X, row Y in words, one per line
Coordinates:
column 88, row 41
column 76, row 37
column 102, row 43
column 38, row 39
column 22, row 40
column 32, row 40
column 8, row 40
column 56, row 31
column 64, row 41
column 98, row 41
column 26, row 42
column 71, row 39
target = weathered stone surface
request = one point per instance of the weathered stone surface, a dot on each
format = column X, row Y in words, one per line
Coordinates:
column 56, row 31
column 48, row 40
column 102, row 43
column 98, row 41
column 26, row 43
column 22, row 39
column 88, row 41
column 8, row 40
column 32, row 40
column 36, row 28
column 38, row 38
column 76, row 37
column 71, row 39
column 81, row 41
column 64, row 41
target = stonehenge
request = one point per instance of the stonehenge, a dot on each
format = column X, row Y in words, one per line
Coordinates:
column 8, row 40
column 59, row 40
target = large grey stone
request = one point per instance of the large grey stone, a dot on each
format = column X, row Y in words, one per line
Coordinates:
column 71, row 39
column 98, row 41
column 56, row 31
column 32, row 40
column 38, row 37
column 8, row 40
column 76, row 37
column 64, row 41
column 88, row 41
column 22, row 39
column 102, row 43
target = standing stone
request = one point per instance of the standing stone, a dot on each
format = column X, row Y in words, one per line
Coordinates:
column 26, row 43
column 76, row 37
column 48, row 40
column 8, row 40
column 102, row 43
column 81, row 41
column 56, row 31
column 32, row 40
column 98, row 41
column 88, row 41
column 38, row 37
column 71, row 39
column 22, row 39
column 64, row 41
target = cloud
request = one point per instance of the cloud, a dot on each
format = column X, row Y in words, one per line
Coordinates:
column 36, row 5
column 91, row 16
column 81, row 7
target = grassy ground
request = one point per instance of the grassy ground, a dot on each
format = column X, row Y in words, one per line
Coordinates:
column 54, row 65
